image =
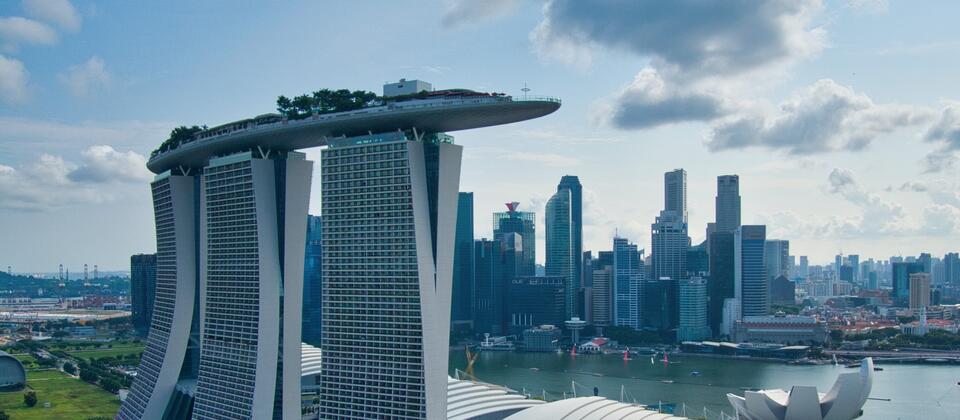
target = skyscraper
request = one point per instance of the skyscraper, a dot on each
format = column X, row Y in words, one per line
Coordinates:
column 628, row 276
column 900, row 278
column 602, row 294
column 721, row 285
column 561, row 255
column 670, row 245
column 231, row 213
column 523, row 223
column 675, row 192
column 235, row 233
column 463, row 269
column 572, row 183
column 693, row 309
column 728, row 203
column 804, row 266
column 751, row 272
column 777, row 257
column 497, row 263
column 313, row 283
column 919, row 291
column 535, row 301
column 951, row 268
column 143, row 282
column 854, row 261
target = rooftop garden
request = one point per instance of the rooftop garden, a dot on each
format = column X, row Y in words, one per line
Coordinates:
column 323, row 101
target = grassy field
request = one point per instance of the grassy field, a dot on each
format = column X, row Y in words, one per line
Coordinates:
column 69, row 398
column 27, row 360
column 121, row 349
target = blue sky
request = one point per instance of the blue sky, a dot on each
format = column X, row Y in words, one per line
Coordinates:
column 837, row 115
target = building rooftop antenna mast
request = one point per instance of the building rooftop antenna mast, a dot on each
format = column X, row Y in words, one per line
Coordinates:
column 525, row 90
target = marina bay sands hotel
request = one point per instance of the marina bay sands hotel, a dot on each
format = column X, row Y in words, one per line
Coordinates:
column 230, row 206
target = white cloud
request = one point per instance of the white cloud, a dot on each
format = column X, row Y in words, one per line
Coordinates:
column 462, row 12
column 13, row 80
column 823, row 117
column 51, row 182
column 546, row 159
column 104, row 164
column 17, row 30
column 58, row 12
column 83, row 78
column 869, row 6
column 21, row 135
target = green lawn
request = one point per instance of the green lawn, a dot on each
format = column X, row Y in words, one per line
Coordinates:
column 69, row 398
column 117, row 350
column 27, row 360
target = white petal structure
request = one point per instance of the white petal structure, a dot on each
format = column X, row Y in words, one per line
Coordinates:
column 843, row 402
column 589, row 408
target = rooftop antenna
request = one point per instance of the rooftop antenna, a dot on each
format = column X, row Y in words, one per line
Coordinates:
column 525, row 90
column 85, row 276
column 61, row 272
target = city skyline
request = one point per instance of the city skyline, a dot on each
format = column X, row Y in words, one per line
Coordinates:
column 78, row 128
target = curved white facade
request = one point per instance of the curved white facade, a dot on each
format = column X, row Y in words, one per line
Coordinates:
column 843, row 402
column 590, row 408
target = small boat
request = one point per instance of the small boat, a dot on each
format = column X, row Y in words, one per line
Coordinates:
column 877, row 368
column 535, row 369
column 667, row 381
column 695, row 373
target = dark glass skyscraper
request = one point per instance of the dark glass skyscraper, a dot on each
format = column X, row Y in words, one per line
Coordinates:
column 496, row 264
column 143, row 283
column 900, row 273
column 535, row 301
column 722, row 274
column 313, row 282
column 461, row 312
column 561, row 260
column 523, row 223
column 675, row 192
column 572, row 183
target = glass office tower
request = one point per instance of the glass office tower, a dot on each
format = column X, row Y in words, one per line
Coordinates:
column 313, row 282
column 523, row 223
column 389, row 215
column 561, row 255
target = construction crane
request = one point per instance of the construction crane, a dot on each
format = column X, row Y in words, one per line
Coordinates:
column 471, row 359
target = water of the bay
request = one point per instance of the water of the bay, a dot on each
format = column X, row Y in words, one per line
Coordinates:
column 916, row 391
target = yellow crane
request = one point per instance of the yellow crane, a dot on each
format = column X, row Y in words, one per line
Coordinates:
column 471, row 359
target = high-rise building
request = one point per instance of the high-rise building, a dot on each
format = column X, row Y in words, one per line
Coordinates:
column 535, row 301
column 777, row 257
column 692, row 325
column 313, row 283
column 670, row 245
column 230, row 254
column 951, row 268
column 751, row 272
column 854, row 261
column 698, row 260
column 497, row 263
column 804, row 266
column 561, row 258
column 728, row 203
column 523, row 223
column 628, row 276
column 782, row 291
column 919, row 291
column 721, row 285
column 900, row 278
column 660, row 309
column 675, row 192
column 572, row 183
column 926, row 260
column 143, row 281
column 601, row 297
column 461, row 312
column 231, row 211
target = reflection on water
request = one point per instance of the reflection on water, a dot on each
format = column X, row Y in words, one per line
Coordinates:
column 916, row 391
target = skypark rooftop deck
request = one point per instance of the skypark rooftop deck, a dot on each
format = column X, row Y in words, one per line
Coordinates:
column 429, row 115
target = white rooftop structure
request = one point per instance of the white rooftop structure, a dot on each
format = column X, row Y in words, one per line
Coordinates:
column 406, row 87
column 844, row 401
column 590, row 408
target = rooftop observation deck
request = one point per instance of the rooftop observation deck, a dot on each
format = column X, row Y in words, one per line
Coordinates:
column 272, row 131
